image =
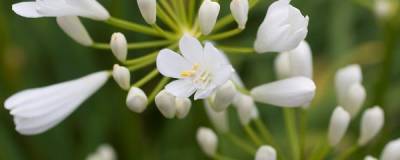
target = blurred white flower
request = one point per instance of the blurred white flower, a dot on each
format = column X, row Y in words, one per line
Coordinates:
column 223, row 96
column 136, row 100
column 148, row 9
column 218, row 119
column 37, row 110
column 122, row 76
column 208, row 14
column 119, row 46
column 370, row 158
column 371, row 123
column 74, row 28
column 240, row 11
column 245, row 108
column 207, row 140
column 385, row 9
column 265, row 153
column 391, row 151
column 104, row 152
column 339, row 123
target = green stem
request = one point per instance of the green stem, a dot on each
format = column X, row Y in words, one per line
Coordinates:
column 141, row 65
column 192, row 6
column 303, row 132
column 157, row 89
column 139, row 45
column 170, row 11
column 147, row 78
column 166, row 19
column 264, row 131
column 252, row 135
column 181, row 10
column 240, row 50
column 292, row 132
column 241, row 143
column 222, row 35
column 132, row 26
column 321, row 151
column 345, row 155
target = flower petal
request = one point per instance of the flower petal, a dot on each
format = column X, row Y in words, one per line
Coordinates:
column 171, row 64
column 90, row 9
column 191, row 49
column 181, row 88
column 222, row 75
column 74, row 28
column 26, row 9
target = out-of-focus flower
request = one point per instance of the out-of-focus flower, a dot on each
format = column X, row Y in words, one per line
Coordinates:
column 265, row 153
column 74, row 28
column 370, row 158
column 218, row 119
column 385, row 9
column 208, row 14
column 207, row 140
column 371, row 123
column 391, row 151
column 104, row 152
column 122, row 76
column 136, row 100
column 244, row 105
column 339, row 123
column 224, row 96
column 148, row 9
column 119, row 46
column 240, row 11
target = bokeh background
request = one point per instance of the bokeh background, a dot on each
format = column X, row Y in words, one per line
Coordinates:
column 35, row 52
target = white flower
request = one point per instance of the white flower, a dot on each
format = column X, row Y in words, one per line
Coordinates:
column 283, row 28
column 74, row 28
column 245, row 108
column 104, row 152
column 37, row 110
column 136, row 100
column 385, row 8
column 171, row 106
column 198, row 70
column 208, row 14
column 207, row 140
column 119, row 46
column 240, row 11
column 59, row 8
column 354, row 99
column 370, row 158
column 292, row 92
column 339, row 123
column 122, row 76
column 183, row 106
column 148, row 9
column 371, row 123
column 223, row 96
column 218, row 119
column 282, row 65
column 391, row 151
column 265, row 153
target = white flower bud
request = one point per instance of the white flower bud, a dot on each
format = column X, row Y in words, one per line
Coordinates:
column 74, row 28
column 355, row 99
column 165, row 103
column 254, row 113
column 208, row 14
column 282, row 65
column 207, row 140
column 183, row 106
column 265, row 153
column 218, row 119
column 391, row 151
column 282, row 29
column 104, row 152
column 370, row 158
column 240, row 11
column 301, row 61
column 122, row 76
column 344, row 79
column 244, row 105
column 224, row 96
column 148, row 9
column 386, row 9
column 339, row 123
column 136, row 100
column 119, row 46
column 371, row 123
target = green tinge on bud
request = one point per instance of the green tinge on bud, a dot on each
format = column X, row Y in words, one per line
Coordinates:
column 265, row 153
column 245, row 108
column 339, row 123
column 208, row 14
column 119, row 46
column 165, row 103
column 183, row 106
column 136, row 100
column 122, row 76
column 371, row 124
column 391, row 151
column 208, row 141
column 240, row 11
column 148, row 9
column 355, row 99
column 74, row 28
column 224, row 96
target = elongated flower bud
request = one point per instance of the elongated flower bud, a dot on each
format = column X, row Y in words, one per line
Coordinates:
column 370, row 158
column 165, row 103
column 240, row 11
column 183, row 106
column 355, row 99
column 339, row 123
column 244, row 105
column 148, row 9
column 265, row 153
column 224, row 96
column 218, row 119
column 136, row 100
column 208, row 14
column 301, row 61
column 371, row 123
column 119, row 46
column 344, row 79
column 207, row 140
column 122, row 76
column 74, row 28
column 391, row 151
column 282, row 65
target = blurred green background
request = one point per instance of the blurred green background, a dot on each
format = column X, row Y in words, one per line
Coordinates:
column 35, row 52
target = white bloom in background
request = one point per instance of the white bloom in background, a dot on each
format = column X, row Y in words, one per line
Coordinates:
column 370, row 158
column 136, row 100
column 223, row 96
column 385, row 8
column 240, row 11
column 391, row 151
column 208, row 14
column 74, row 28
column 183, row 106
column 59, row 8
column 198, row 70
column 283, row 28
column 339, row 123
column 371, row 123
column 165, row 103
column 265, row 153
column 122, row 76
column 119, row 46
column 354, row 99
column 218, row 119
column 207, row 140
column 104, row 152
column 292, row 92
column 245, row 108
column 37, row 110
column 148, row 9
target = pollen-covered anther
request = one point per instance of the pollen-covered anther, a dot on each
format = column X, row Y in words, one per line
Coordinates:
column 190, row 73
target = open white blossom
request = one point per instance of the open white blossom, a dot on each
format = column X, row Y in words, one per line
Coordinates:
column 37, row 110
column 199, row 69
column 74, row 28
column 283, row 28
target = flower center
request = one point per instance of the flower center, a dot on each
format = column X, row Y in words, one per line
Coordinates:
column 199, row 76
column 190, row 73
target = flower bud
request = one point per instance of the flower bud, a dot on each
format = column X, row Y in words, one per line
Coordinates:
column 391, row 151
column 371, row 123
column 208, row 14
column 182, row 107
column 339, row 123
column 104, row 152
column 240, row 11
column 148, row 9
column 282, row 65
column 355, row 99
column 344, row 79
column 136, row 100
column 218, row 119
column 207, row 140
column 224, row 96
column 244, row 105
column 265, row 153
column 370, row 158
column 165, row 103
column 122, row 76
column 74, row 28
column 301, row 61
column 119, row 46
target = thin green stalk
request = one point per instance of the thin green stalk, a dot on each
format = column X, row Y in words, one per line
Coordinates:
column 181, row 10
column 170, row 11
column 166, row 34
column 142, row 59
column 321, row 151
column 239, row 50
column 191, row 10
column 223, row 35
column 147, row 78
column 252, row 135
column 264, row 131
column 138, row 45
column 132, row 26
column 345, row 155
column 241, row 143
column 157, row 89
column 292, row 132
column 303, row 132
column 166, row 19
column 141, row 65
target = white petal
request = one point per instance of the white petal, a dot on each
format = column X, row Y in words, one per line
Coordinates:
column 171, row 64
column 265, row 153
column 370, row 158
column 224, row 96
column 90, row 9
column 339, row 123
column 73, row 27
column 218, row 119
column 26, row 9
column 301, row 61
column 213, row 58
column 222, row 75
column 208, row 14
column 344, row 78
column 181, row 88
column 245, row 107
column 148, row 9
column 371, row 123
column 240, row 10
column 204, row 93
column 391, row 151
column 191, row 49
column 354, row 99
column 292, row 92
